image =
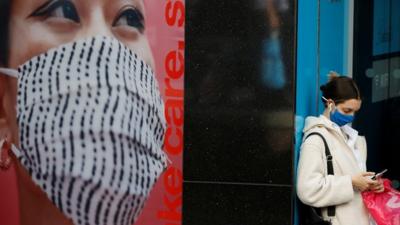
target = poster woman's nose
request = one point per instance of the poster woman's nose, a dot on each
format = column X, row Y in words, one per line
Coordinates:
column 96, row 25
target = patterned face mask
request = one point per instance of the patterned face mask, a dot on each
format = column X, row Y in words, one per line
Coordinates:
column 91, row 128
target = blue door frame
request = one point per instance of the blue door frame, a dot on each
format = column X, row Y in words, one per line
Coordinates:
column 322, row 46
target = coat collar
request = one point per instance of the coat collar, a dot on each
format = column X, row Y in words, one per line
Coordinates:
column 347, row 153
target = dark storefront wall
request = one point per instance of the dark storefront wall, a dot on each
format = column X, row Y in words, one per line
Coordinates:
column 377, row 71
column 239, row 110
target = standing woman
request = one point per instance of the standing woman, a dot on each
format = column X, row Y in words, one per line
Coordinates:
column 342, row 100
column 81, row 115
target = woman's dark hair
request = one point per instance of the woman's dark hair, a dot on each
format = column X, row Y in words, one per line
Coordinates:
column 340, row 88
column 4, row 30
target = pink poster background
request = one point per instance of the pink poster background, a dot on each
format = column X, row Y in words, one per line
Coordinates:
column 166, row 36
column 165, row 30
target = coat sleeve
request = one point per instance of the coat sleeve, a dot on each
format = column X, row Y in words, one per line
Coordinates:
column 362, row 146
column 314, row 186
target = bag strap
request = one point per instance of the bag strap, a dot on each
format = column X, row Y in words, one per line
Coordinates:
column 331, row 209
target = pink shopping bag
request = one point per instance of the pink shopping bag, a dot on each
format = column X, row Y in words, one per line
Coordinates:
column 384, row 207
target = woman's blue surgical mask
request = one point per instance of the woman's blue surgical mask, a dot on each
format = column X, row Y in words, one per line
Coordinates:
column 339, row 118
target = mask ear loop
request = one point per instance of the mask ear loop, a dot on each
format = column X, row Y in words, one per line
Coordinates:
column 9, row 72
column 329, row 104
column 16, row 151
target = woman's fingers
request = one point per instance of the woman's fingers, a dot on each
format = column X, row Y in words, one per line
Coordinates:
column 368, row 174
column 379, row 189
column 372, row 182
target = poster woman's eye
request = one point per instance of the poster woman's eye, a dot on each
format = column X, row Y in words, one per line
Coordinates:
column 131, row 18
column 62, row 9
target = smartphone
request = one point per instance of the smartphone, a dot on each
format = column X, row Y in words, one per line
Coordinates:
column 378, row 175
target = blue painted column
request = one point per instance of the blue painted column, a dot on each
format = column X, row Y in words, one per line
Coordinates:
column 307, row 75
column 321, row 47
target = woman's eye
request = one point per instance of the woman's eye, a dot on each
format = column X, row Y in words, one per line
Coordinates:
column 132, row 18
column 58, row 9
column 348, row 111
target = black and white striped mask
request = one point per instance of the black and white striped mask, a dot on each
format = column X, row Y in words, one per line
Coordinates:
column 91, row 129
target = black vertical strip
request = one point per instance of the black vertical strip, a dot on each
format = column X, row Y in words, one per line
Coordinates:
column 150, row 75
column 118, row 64
column 89, row 56
column 149, row 85
column 25, row 98
column 98, row 209
column 122, row 161
column 114, row 108
column 130, row 210
column 37, row 148
column 89, row 200
column 61, row 179
column 123, row 217
column 63, row 149
column 142, row 85
column 28, row 132
column 135, row 208
column 54, row 116
column 142, row 160
column 141, row 116
column 36, row 120
column 69, row 195
column 58, row 69
column 133, row 73
column 150, row 129
column 79, row 201
column 50, row 75
column 60, row 97
column 123, row 148
column 107, row 194
column 130, row 189
column 97, row 186
column 131, row 149
column 123, row 66
column 117, row 217
column 115, row 149
column 71, row 56
column 80, row 104
column 61, row 123
column 148, row 157
column 141, row 72
column 128, row 160
column 24, row 109
column 126, row 88
column 53, row 179
column 53, row 168
column 93, row 190
column 64, row 152
column 45, row 98
column 137, row 171
column 107, row 75
column 98, row 64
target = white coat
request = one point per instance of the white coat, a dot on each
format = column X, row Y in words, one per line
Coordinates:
column 316, row 188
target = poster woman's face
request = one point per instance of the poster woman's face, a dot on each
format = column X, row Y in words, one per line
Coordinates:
column 38, row 25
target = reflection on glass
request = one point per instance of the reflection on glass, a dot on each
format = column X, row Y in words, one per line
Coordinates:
column 238, row 90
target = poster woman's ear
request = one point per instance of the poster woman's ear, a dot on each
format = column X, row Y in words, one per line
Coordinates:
column 5, row 159
column 8, row 126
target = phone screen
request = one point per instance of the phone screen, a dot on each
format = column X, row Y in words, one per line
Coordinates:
column 379, row 175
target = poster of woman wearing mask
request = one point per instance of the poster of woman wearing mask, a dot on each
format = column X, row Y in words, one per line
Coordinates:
column 85, row 133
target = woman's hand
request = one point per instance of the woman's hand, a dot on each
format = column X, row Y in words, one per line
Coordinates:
column 378, row 188
column 363, row 182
